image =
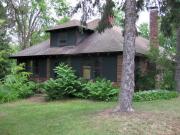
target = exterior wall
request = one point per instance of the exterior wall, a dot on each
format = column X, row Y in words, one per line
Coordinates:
column 141, row 64
column 76, row 63
column 107, row 65
column 55, row 61
column 39, row 67
column 110, row 66
column 29, row 67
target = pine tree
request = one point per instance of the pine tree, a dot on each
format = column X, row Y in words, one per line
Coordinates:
column 170, row 10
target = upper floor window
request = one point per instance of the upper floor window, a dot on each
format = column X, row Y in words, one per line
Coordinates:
column 63, row 38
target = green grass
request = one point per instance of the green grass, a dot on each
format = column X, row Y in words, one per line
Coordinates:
column 81, row 117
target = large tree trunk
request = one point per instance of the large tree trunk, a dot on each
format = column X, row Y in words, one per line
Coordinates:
column 127, row 82
column 178, row 60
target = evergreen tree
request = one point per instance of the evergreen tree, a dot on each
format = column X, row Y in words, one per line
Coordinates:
column 170, row 10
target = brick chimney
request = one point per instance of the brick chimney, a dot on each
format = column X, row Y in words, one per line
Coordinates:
column 154, row 26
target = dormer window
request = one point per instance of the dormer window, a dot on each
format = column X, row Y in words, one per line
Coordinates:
column 63, row 38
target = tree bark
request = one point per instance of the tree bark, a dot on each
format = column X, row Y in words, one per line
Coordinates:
column 127, row 82
column 178, row 59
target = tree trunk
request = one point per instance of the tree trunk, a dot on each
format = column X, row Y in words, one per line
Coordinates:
column 127, row 82
column 178, row 59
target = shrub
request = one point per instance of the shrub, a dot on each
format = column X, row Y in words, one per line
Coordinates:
column 154, row 95
column 65, row 85
column 102, row 90
column 18, row 81
column 7, row 95
column 16, row 85
column 165, row 69
column 53, row 90
column 82, row 92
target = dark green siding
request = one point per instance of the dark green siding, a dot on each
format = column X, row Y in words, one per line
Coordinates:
column 109, row 67
column 104, row 66
column 55, row 61
column 76, row 63
column 54, row 39
column 40, row 67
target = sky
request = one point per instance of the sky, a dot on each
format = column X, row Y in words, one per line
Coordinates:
column 143, row 16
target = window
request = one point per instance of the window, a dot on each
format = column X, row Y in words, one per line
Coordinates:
column 86, row 72
column 63, row 38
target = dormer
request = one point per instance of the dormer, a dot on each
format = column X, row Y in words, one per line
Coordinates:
column 69, row 34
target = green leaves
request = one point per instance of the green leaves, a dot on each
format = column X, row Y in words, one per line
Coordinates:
column 107, row 16
column 16, row 85
column 144, row 31
column 154, row 95
column 101, row 89
column 164, row 59
column 170, row 16
column 66, row 83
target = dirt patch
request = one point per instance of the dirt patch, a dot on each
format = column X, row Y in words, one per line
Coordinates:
column 39, row 98
column 2, row 114
column 139, row 123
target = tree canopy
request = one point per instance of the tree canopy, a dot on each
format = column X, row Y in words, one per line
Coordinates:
column 4, row 44
column 25, row 17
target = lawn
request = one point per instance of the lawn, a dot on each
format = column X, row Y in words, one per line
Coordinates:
column 82, row 117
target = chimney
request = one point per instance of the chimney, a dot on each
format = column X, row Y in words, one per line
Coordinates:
column 154, row 27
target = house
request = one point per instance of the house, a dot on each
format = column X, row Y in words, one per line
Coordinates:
column 90, row 53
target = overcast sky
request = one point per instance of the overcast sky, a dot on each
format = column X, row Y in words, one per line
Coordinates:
column 143, row 16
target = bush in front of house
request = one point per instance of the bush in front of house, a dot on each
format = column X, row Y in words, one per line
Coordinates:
column 53, row 89
column 101, row 89
column 16, row 85
column 66, row 83
column 18, row 81
column 154, row 95
column 82, row 92
column 7, row 95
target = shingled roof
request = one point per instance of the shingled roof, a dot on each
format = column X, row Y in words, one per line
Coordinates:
column 75, row 23
column 111, row 40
